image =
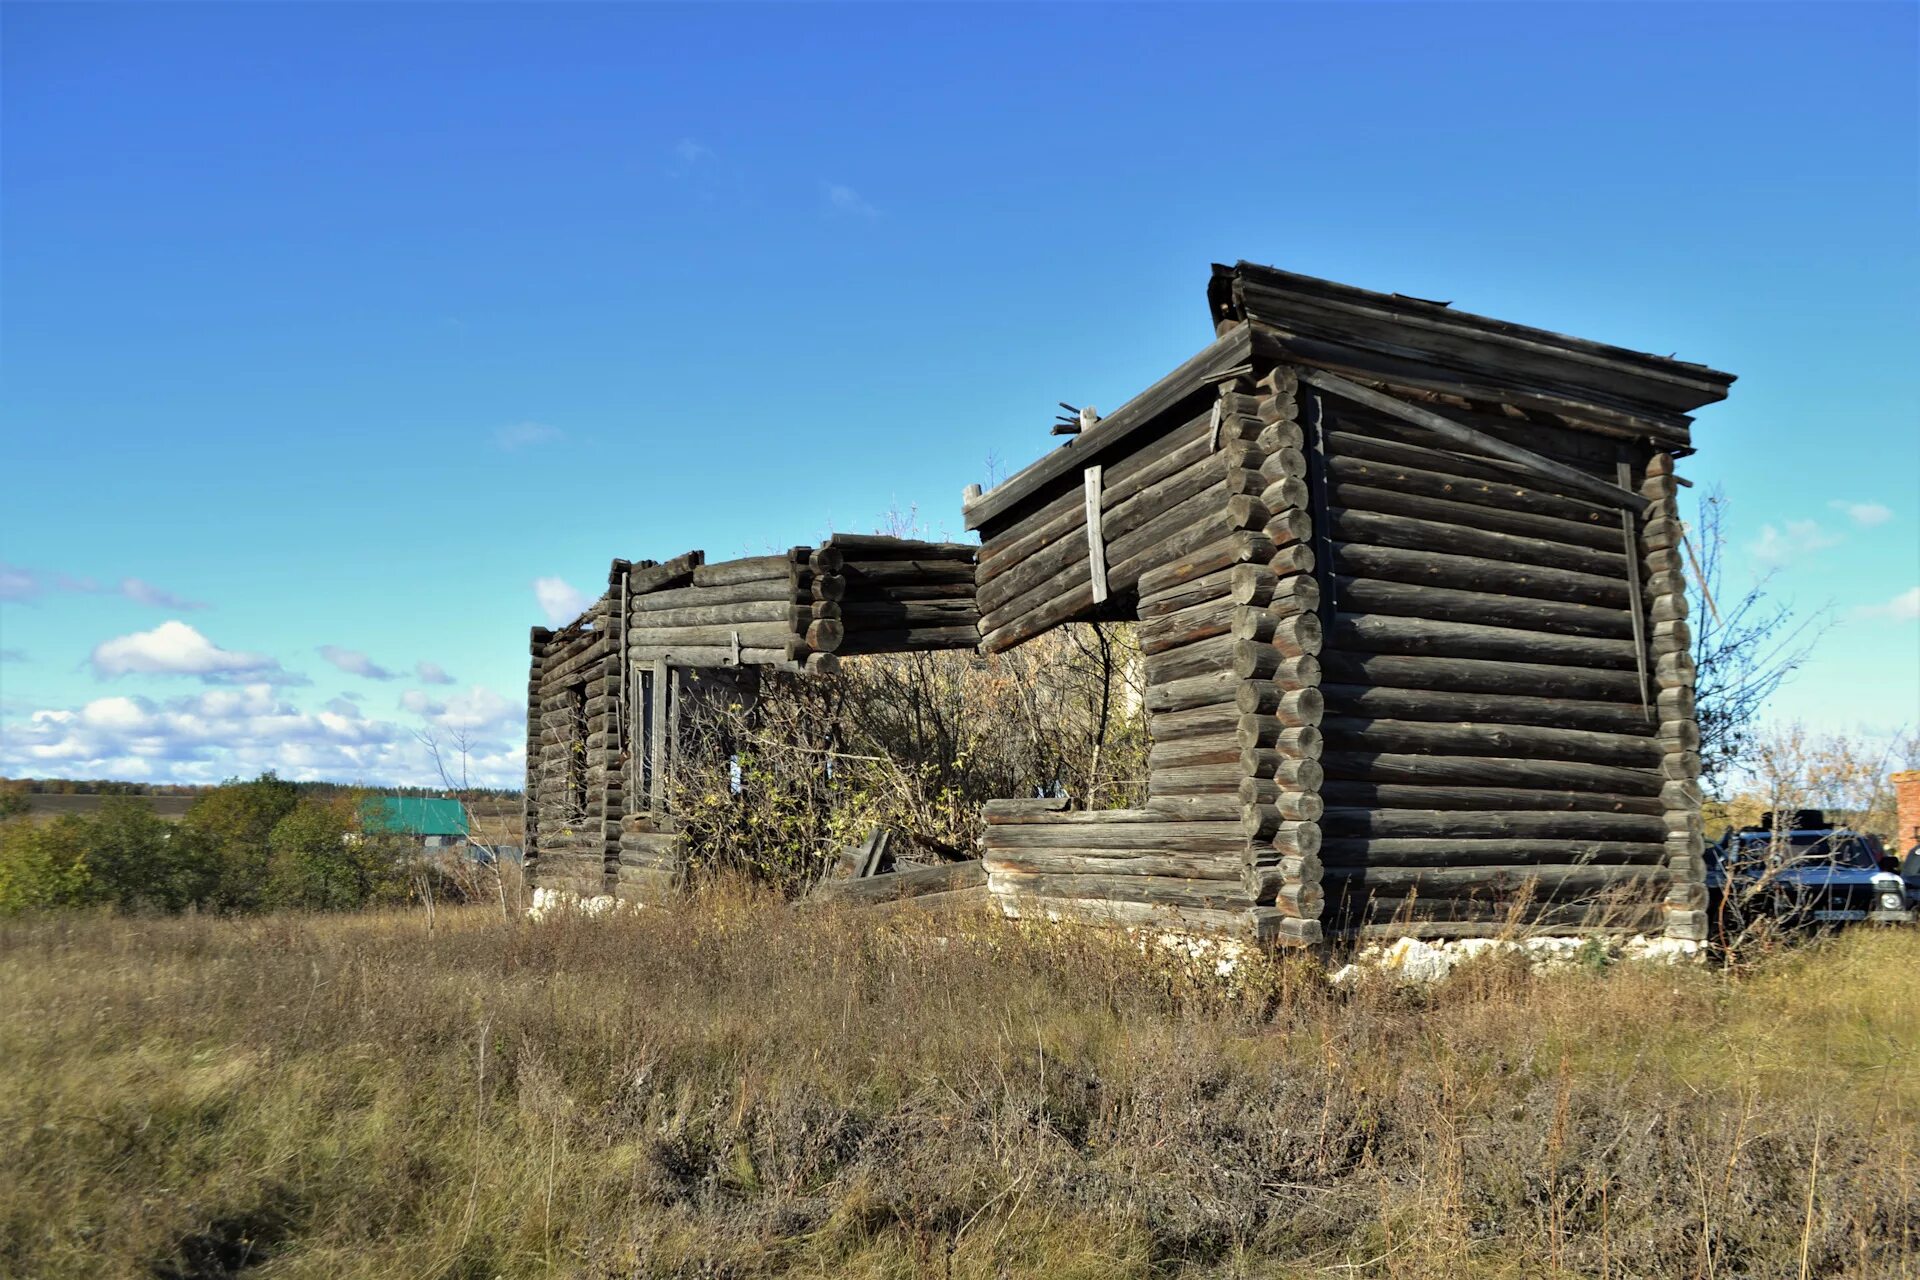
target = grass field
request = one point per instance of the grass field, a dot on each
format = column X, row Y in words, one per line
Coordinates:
column 740, row 1090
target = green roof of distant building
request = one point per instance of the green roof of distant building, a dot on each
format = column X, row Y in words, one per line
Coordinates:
column 415, row 816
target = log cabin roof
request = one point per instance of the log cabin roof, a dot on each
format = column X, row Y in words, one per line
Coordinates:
column 1409, row 347
column 1428, row 346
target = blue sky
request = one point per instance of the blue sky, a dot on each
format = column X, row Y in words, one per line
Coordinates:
column 331, row 331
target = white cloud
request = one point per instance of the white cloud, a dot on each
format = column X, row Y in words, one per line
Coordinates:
column 174, row 648
column 1798, row 538
column 432, row 673
column 525, row 435
column 478, row 709
column 146, row 593
column 560, row 600
column 1904, row 607
column 355, row 663
column 1864, row 514
column 17, row 585
column 691, row 151
column 844, row 199
column 241, row 731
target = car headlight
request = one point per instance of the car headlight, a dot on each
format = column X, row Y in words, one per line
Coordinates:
column 1891, row 901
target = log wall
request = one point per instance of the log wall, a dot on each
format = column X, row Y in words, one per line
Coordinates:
column 1204, row 531
column 1495, row 748
column 574, row 791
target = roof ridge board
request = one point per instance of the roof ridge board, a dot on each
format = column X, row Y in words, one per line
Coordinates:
column 1433, row 316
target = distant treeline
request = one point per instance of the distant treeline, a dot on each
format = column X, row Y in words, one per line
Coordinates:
column 323, row 790
column 263, row 844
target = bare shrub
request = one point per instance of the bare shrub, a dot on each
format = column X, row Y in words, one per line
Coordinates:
column 775, row 784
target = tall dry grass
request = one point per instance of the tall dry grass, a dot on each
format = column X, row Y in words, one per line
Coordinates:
column 742, row 1090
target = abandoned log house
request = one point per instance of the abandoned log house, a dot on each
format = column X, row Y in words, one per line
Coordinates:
column 1408, row 584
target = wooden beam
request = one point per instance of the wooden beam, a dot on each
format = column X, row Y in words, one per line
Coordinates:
column 657, row 800
column 1475, row 441
column 1635, row 604
column 1096, row 538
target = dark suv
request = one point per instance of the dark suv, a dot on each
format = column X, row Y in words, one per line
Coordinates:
column 1810, row 873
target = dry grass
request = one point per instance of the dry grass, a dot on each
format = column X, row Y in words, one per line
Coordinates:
column 739, row 1091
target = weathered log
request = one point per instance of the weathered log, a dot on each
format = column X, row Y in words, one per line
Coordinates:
column 1455, row 824
column 1492, row 771
column 862, row 575
column 1211, row 689
column 1114, row 831
column 1395, row 502
column 1295, row 641
column 1386, row 703
column 1473, row 675
column 753, row 635
column 1296, row 804
column 1238, row 547
column 1297, row 708
column 642, row 579
column 1218, row 719
column 1003, row 573
column 1378, row 633
column 1182, row 530
column 1157, row 890
column 1270, row 827
column 871, row 546
column 825, row 634
column 1259, row 586
column 679, row 655
column 1206, row 779
column 1396, row 796
column 1412, row 600
column 1063, row 861
column 1050, row 573
column 1521, row 742
column 885, row 605
column 1475, row 573
column 993, row 811
column 1407, row 533
column 729, row 573
column 1121, row 478
column 1207, row 589
column 1192, row 751
column 1269, row 696
column 1356, row 460
column 896, row 885
column 908, row 639
column 1214, row 653
column 1549, row 881
column 642, row 608
column 1237, row 922
column 1187, row 626
column 1196, row 808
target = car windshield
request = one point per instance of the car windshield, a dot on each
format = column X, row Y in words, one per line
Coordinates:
column 1837, row 849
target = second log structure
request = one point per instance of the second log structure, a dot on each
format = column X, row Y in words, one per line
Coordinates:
column 610, row 695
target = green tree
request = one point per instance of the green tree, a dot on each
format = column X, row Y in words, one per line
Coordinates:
column 321, row 861
column 227, row 830
column 140, row 862
column 45, row 867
